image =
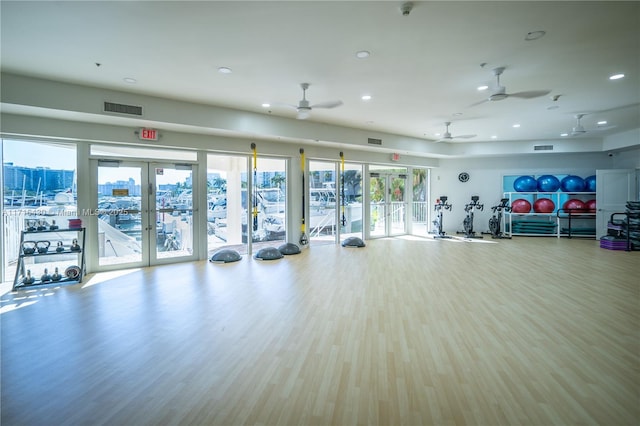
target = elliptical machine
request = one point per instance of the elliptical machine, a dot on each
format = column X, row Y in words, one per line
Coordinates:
column 468, row 220
column 496, row 221
column 441, row 204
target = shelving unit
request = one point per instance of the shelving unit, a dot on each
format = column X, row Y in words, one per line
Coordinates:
column 51, row 249
column 559, row 223
column 623, row 229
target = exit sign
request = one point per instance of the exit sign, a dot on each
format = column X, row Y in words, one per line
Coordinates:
column 148, row 134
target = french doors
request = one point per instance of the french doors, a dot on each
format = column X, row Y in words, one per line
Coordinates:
column 388, row 204
column 145, row 213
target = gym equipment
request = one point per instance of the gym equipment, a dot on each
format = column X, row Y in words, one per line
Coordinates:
column 548, row 183
column 544, row 205
column 28, row 279
column 496, row 221
column 225, row 256
column 343, row 219
column 572, row 183
column 269, row 253
column 533, row 226
column 289, row 248
column 255, row 187
column 525, row 184
column 43, row 246
column 574, row 204
column 591, row 206
column 353, row 242
column 590, row 183
column 520, row 206
column 56, row 275
column 468, row 220
column 304, row 240
column 72, row 272
column 45, row 276
column 441, row 204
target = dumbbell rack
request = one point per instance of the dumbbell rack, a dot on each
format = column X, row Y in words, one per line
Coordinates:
column 70, row 263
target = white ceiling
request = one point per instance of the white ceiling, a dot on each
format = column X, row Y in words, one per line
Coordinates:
column 424, row 68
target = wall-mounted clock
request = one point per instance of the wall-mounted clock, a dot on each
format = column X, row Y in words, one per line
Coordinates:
column 463, row 177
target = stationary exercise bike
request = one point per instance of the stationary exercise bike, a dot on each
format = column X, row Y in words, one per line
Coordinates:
column 468, row 220
column 496, row 221
column 441, row 204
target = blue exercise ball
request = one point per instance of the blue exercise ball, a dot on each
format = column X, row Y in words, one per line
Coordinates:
column 525, row 184
column 590, row 183
column 548, row 183
column 572, row 183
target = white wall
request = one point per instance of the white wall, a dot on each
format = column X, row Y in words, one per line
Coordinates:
column 486, row 180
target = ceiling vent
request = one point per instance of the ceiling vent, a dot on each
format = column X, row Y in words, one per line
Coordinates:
column 543, row 148
column 122, row 108
column 373, row 141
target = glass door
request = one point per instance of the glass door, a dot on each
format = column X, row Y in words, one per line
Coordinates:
column 145, row 213
column 171, row 213
column 323, row 202
column 121, row 203
column 387, row 204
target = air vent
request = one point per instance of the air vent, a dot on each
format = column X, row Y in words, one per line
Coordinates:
column 543, row 148
column 375, row 141
column 122, row 108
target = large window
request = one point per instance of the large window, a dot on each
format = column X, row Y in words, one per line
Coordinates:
column 236, row 210
column 39, row 186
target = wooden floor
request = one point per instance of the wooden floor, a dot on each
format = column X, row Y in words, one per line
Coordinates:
column 529, row 331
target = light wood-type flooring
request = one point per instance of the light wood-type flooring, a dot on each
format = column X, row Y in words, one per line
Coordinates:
column 529, row 331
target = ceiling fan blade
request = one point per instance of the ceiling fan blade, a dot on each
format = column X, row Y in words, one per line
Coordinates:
column 530, row 94
column 331, row 104
column 282, row 104
column 479, row 103
column 464, row 136
column 603, row 128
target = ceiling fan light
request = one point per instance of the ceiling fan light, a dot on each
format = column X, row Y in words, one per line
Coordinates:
column 616, row 76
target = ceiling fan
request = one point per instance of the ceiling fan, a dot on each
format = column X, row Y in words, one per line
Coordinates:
column 500, row 92
column 579, row 129
column 448, row 137
column 303, row 107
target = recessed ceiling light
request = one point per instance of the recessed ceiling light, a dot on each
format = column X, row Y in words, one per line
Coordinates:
column 534, row 35
column 130, row 80
column 266, row 105
column 366, row 97
column 437, row 134
column 616, row 76
column 602, row 123
column 564, row 134
column 483, row 87
column 494, row 137
column 515, row 126
column 224, row 70
column 362, row 54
